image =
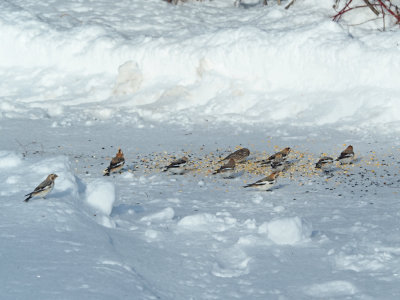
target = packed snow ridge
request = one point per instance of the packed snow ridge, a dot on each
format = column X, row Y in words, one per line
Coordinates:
column 196, row 61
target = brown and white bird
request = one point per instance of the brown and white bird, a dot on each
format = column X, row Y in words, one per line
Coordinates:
column 177, row 166
column 347, row 156
column 238, row 156
column 324, row 163
column 116, row 164
column 280, row 164
column 228, row 169
column 278, row 156
column 265, row 183
column 42, row 189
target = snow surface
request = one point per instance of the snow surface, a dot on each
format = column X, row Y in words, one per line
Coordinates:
column 194, row 62
column 201, row 79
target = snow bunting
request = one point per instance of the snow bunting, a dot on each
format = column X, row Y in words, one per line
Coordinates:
column 279, row 164
column 324, row 163
column 265, row 183
column 346, row 156
column 281, row 155
column 43, row 189
column 177, row 166
column 116, row 163
column 227, row 170
column 238, row 156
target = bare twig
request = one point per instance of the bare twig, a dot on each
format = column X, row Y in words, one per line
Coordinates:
column 290, row 4
column 371, row 7
column 383, row 9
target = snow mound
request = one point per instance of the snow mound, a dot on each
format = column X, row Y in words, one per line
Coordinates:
column 286, row 231
column 337, row 288
column 166, row 214
column 231, row 262
column 100, row 194
column 129, row 79
column 9, row 159
column 206, row 222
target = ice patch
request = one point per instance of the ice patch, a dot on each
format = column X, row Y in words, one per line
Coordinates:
column 337, row 288
column 100, row 194
column 360, row 262
column 286, row 231
column 164, row 215
column 9, row 160
column 151, row 235
column 206, row 222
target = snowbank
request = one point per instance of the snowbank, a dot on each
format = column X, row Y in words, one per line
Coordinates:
column 100, row 194
column 261, row 64
column 286, row 231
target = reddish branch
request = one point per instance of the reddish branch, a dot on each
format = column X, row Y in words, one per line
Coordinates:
column 397, row 17
column 375, row 7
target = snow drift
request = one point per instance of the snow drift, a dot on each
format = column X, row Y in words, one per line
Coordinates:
column 259, row 64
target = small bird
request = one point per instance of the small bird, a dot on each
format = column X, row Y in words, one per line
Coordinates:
column 324, row 163
column 43, row 189
column 228, row 169
column 279, row 164
column 238, row 156
column 346, row 156
column 281, row 155
column 265, row 183
column 177, row 166
column 116, row 164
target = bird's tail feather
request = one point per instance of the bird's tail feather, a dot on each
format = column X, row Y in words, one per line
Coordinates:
column 106, row 172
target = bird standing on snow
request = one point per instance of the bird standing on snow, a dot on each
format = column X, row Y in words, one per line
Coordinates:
column 238, row 156
column 346, row 156
column 279, row 163
column 43, row 189
column 228, row 169
column 116, row 163
column 265, row 183
column 177, row 166
column 324, row 163
column 279, row 156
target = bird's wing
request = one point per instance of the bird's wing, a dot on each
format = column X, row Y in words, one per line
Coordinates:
column 43, row 186
column 345, row 155
column 262, row 181
column 176, row 163
column 116, row 162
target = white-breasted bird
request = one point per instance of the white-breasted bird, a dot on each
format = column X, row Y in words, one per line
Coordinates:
column 324, row 163
column 279, row 163
column 238, row 156
column 43, row 188
column 116, row 164
column 177, row 166
column 228, row 169
column 265, row 183
column 347, row 156
column 278, row 156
